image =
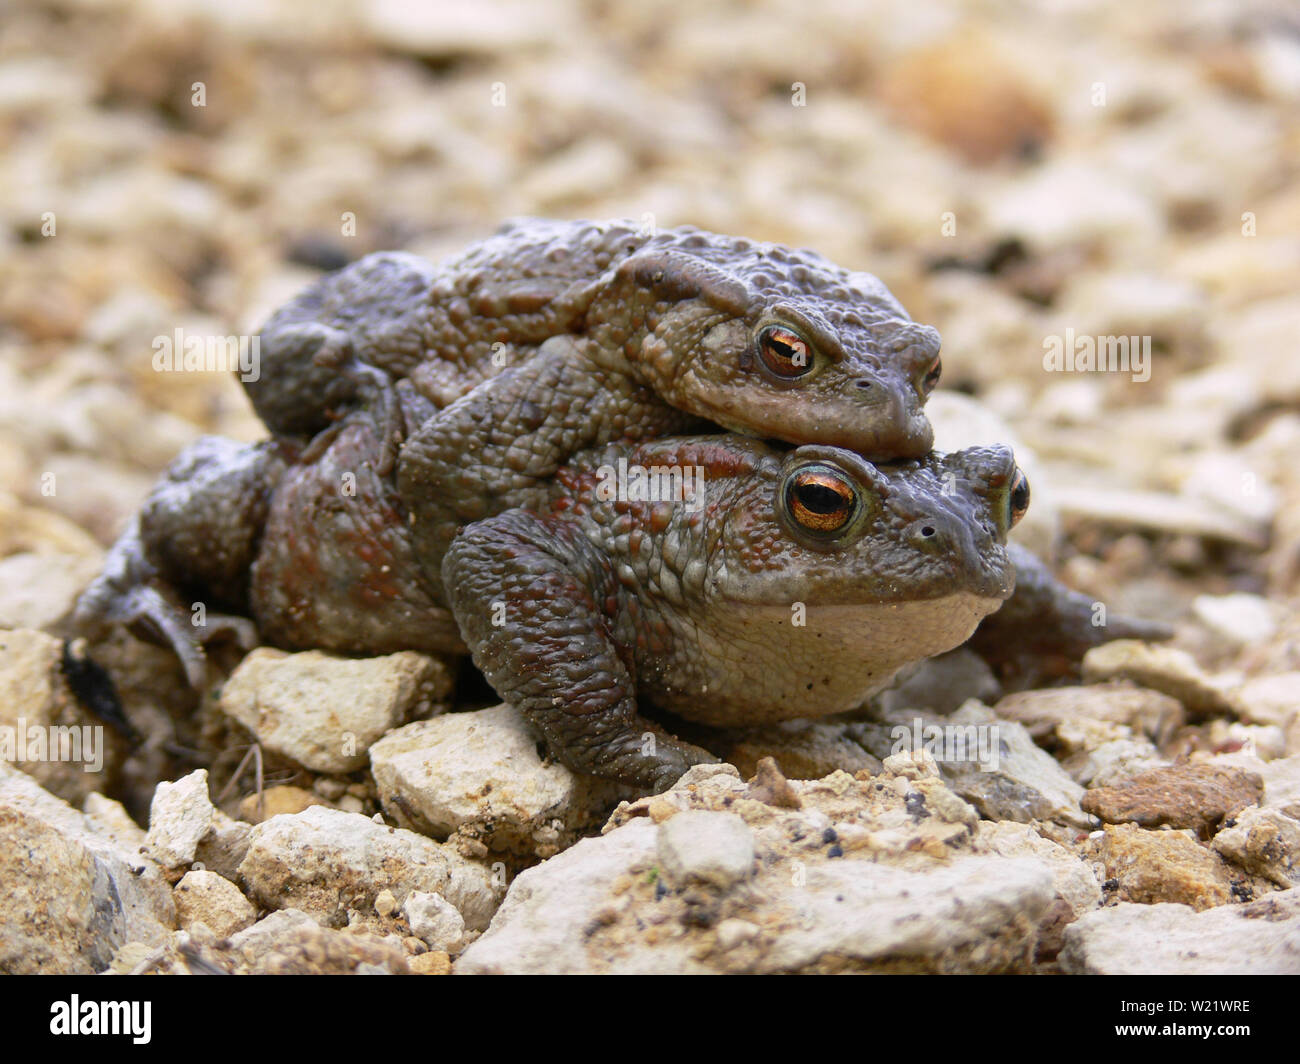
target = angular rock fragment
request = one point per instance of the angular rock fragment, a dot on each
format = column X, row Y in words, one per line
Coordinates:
column 435, row 921
column 206, row 897
column 716, row 849
column 992, row 763
column 1193, row 795
column 1265, row 842
column 179, row 817
column 1150, row 713
column 327, row 863
column 869, row 874
column 1162, row 866
column 324, row 711
column 1160, row 668
column 72, row 896
column 483, row 775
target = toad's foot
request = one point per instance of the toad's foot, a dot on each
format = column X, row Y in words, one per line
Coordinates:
column 1045, row 628
column 129, row 593
column 184, row 560
column 374, row 389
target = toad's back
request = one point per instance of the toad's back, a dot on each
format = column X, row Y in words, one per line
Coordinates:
column 449, row 327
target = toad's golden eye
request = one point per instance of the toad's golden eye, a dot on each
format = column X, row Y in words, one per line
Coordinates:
column 784, row 353
column 820, row 500
column 1018, row 498
column 931, row 379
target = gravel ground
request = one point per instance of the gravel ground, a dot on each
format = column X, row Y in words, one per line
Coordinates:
column 1084, row 169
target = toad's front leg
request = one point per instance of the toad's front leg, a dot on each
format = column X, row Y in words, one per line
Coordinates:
column 497, row 448
column 539, row 609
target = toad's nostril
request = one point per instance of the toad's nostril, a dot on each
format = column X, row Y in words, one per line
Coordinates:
column 929, row 534
column 863, row 383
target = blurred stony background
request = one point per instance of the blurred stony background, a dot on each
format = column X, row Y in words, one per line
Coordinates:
column 1010, row 174
column 1011, row 171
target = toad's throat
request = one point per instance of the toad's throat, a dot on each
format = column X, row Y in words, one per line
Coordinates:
column 769, row 663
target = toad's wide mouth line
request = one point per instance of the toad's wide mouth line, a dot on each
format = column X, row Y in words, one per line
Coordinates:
column 851, row 614
column 989, row 589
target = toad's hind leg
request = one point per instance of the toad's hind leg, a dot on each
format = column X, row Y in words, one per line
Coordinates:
column 531, row 596
column 184, row 560
column 338, row 571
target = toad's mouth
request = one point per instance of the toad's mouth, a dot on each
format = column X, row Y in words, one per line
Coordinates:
column 907, row 436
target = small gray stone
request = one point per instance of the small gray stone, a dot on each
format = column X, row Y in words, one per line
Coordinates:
column 435, row 921
column 1166, row 669
column 224, row 846
column 325, row 862
column 180, row 815
column 941, row 684
column 1114, row 763
column 206, row 897
column 712, row 848
column 1074, row 879
column 1281, row 784
column 871, row 912
column 1270, row 699
column 480, row 774
column 262, row 936
column 324, row 712
column 1154, row 714
column 994, row 764
column 1239, row 619
column 1265, row 842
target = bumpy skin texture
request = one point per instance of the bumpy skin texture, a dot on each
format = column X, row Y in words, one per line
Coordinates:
column 553, row 337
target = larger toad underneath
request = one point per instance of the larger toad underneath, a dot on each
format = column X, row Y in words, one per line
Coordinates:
column 791, row 584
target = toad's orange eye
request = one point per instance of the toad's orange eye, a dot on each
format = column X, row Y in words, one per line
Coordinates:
column 1018, row 499
column 932, row 375
column 784, row 353
column 820, row 500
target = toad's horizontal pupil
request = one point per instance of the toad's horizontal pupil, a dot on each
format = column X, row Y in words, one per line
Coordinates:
column 820, row 499
column 1020, row 492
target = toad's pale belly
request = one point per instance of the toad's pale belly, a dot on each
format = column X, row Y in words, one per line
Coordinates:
column 763, row 667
